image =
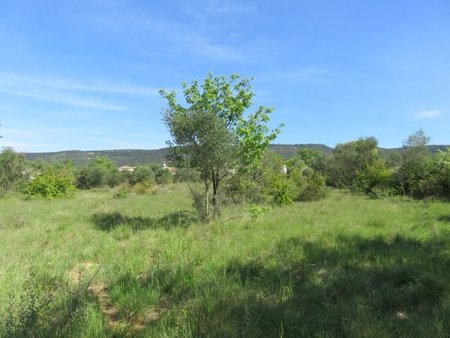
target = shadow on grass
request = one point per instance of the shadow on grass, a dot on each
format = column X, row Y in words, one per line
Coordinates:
column 358, row 287
column 444, row 218
column 377, row 287
column 109, row 221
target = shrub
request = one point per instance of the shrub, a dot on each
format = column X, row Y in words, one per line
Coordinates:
column 375, row 175
column 244, row 188
column 46, row 308
column 203, row 207
column 256, row 211
column 312, row 187
column 164, row 176
column 349, row 159
column 142, row 174
column 122, row 193
column 99, row 173
column 50, row 185
column 415, row 165
column 142, row 187
column 12, row 166
column 283, row 192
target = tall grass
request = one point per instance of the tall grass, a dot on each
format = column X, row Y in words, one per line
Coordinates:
column 345, row 266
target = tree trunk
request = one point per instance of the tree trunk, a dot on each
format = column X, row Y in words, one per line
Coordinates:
column 207, row 200
column 215, row 181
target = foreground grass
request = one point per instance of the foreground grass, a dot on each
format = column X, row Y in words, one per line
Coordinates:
column 347, row 266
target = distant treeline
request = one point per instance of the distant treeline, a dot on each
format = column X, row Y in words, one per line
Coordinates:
column 287, row 173
column 135, row 157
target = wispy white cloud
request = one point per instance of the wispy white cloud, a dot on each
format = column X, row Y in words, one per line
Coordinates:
column 226, row 7
column 209, row 49
column 70, row 92
column 70, row 84
column 58, row 97
column 427, row 114
column 140, row 30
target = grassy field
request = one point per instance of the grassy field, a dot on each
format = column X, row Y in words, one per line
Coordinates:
column 348, row 266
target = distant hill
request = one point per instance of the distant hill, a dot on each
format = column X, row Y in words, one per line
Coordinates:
column 158, row 156
column 433, row 148
column 119, row 157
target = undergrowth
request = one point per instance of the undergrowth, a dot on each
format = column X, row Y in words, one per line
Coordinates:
column 347, row 266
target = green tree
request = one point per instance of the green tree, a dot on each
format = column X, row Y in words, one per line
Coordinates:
column 304, row 170
column 441, row 170
column 357, row 165
column 12, row 166
column 163, row 176
column 415, row 164
column 142, row 174
column 350, row 158
column 313, row 158
column 213, row 135
column 100, row 172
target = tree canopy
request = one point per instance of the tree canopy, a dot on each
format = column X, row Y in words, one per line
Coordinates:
column 213, row 134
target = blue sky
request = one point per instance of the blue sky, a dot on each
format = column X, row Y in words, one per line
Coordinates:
column 85, row 74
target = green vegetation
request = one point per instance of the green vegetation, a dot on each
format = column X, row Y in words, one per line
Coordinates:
column 12, row 166
column 120, row 157
column 214, row 137
column 139, row 252
column 50, row 185
column 136, row 157
column 99, row 266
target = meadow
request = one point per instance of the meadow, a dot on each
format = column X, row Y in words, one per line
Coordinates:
column 100, row 266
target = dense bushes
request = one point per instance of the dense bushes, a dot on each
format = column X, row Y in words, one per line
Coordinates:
column 50, row 185
column 144, row 174
column 357, row 166
column 413, row 171
column 425, row 176
column 99, row 173
column 420, row 173
column 284, row 183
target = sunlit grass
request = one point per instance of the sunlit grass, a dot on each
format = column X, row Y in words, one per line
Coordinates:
column 344, row 266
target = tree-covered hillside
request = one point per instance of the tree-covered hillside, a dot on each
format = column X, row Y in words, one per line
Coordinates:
column 158, row 156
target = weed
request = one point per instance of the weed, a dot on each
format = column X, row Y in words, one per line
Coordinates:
column 122, row 192
column 257, row 211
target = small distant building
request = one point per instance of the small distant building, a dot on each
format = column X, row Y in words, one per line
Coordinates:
column 172, row 170
column 126, row 168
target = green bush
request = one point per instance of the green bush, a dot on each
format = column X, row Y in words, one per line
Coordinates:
column 50, row 185
column 256, row 210
column 312, row 187
column 283, row 192
column 100, row 172
column 142, row 174
column 12, row 165
column 202, row 205
column 244, row 188
column 374, row 176
column 46, row 308
column 349, row 159
column 164, row 176
column 122, row 193
column 144, row 187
